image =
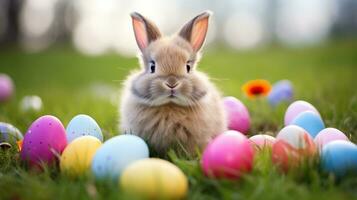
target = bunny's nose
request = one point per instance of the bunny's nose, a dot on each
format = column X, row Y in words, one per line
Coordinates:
column 172, row 82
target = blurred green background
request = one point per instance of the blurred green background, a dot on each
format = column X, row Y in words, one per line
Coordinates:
column 70, row 83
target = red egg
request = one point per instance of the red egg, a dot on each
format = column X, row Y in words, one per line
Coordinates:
column 293, row 144
column 229, row 155
column 44, row 141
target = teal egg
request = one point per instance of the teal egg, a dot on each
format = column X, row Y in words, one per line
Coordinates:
column 82, row 125
column 339, row 157
column 117, row 153
column 309, row 121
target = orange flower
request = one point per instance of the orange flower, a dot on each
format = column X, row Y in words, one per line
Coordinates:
column 256, row 88
column 19, row 144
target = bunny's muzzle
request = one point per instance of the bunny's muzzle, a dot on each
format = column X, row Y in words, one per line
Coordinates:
column 172, row 82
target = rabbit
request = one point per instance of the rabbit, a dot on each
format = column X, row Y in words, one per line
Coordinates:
column 168, row 102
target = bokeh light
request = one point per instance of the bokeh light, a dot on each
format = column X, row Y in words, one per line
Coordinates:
column 303, row 22
column 244, row 31
column 36, row 19
column 97, row 27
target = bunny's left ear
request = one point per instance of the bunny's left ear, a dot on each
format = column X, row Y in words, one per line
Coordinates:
column 195, row 30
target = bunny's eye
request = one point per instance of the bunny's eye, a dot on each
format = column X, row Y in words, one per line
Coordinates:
column 188, row 67
column 152, row 66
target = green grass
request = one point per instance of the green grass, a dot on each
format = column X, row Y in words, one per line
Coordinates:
column 64, row 79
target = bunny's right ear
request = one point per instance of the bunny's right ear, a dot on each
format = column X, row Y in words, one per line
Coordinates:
column 195, row 30
column 144, row 30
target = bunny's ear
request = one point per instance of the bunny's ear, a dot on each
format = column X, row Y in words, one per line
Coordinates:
column 144, row 30
column 195, row 30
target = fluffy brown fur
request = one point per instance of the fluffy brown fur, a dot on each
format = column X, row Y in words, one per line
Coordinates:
column 175, row 106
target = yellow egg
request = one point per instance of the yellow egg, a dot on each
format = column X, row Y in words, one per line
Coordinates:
column 77, row 157
column 155, row 179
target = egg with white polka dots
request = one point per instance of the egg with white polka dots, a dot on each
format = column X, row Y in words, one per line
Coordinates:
column 82, row 125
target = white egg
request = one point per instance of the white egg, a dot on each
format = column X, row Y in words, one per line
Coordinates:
column 82, row 125
column 295, row 136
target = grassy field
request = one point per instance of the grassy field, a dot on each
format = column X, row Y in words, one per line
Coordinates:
column 70, row 83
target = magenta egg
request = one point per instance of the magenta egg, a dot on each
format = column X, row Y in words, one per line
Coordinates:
column 237, row 115
column 261, row 141
column 44, row 141
column 229, row 155
column 6, row 87
column 296, row 108
column 328, row 135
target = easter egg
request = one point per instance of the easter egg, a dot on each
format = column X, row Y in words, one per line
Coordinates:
column 237, row 114
column 6, row 87
column 43, row 141
column 297, row 137
column 116, row 153
column 309, row 121
column 229, row 155
column 339, row 157
column 328, row 135
column 281, row 91
column 5, row 146
column 9, row 133
column 293, row 144
column 261, row 141
column 77, row 157
column 82, row 125
column 296, row 108
column 154, row 178
column 31, row 104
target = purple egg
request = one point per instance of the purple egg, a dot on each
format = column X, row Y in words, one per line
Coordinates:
column 296, row 108
column 281, row 91
column 328, row 135
column 237, row 115
column 6, row 87
column 44, row 141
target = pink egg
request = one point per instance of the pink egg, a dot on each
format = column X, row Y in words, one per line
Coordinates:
column 261, row 141
column 328, row 135
column 237, row 115
column 44, row 140
column 229, row 155
column 296, row 108
column 6, row 87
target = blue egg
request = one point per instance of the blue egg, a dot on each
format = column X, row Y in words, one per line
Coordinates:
column 82, row 125
column 281, row 91
column 339, row 157
column 116, row 153
column 9, row 133
column 309, row 121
